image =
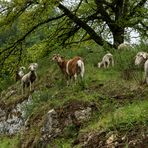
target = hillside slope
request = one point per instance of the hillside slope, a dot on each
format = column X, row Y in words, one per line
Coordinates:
column 108, row 109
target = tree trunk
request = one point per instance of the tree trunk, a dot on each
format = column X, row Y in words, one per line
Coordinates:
column 118, row 30
column 118, row 36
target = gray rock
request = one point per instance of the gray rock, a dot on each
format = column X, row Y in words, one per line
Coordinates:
column 83, row 115
column 16, row 119
column 51, row 126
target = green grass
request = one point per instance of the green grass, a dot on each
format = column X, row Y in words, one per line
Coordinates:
column 7, row 142
column 98, row 86
column 61, row 143
column 123, row 118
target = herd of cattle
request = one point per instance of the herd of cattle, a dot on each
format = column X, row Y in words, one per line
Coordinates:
column 73, row 67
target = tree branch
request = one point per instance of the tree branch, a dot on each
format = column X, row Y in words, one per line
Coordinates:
column 77, row 42
column 23, row 8
column 82, row 24
column 102, row 11
column 30, row 31
column 139, row 5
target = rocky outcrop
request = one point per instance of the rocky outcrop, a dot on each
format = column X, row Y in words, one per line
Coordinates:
column 83, row 114
column 12, row 121
column 51, row 126
column 113, row 139
column 58, row 119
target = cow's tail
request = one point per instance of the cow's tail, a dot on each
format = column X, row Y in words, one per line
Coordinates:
column 81, row 66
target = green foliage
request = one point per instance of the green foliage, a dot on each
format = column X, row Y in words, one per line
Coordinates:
column 32, row 24
column 38, row 51
column 5, row 82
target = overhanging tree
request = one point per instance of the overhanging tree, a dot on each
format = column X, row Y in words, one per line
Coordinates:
column 83, row 20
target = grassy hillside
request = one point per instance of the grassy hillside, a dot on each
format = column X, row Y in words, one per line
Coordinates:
column 120, row 98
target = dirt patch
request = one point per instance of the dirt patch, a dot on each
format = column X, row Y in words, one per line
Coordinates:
column 136, row 137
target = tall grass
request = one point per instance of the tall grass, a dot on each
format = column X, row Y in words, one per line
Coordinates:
column 123, row 118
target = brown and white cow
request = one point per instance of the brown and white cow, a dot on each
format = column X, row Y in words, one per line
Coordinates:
column 70, row 68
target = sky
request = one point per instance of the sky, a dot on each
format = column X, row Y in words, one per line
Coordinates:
column 135, row 39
